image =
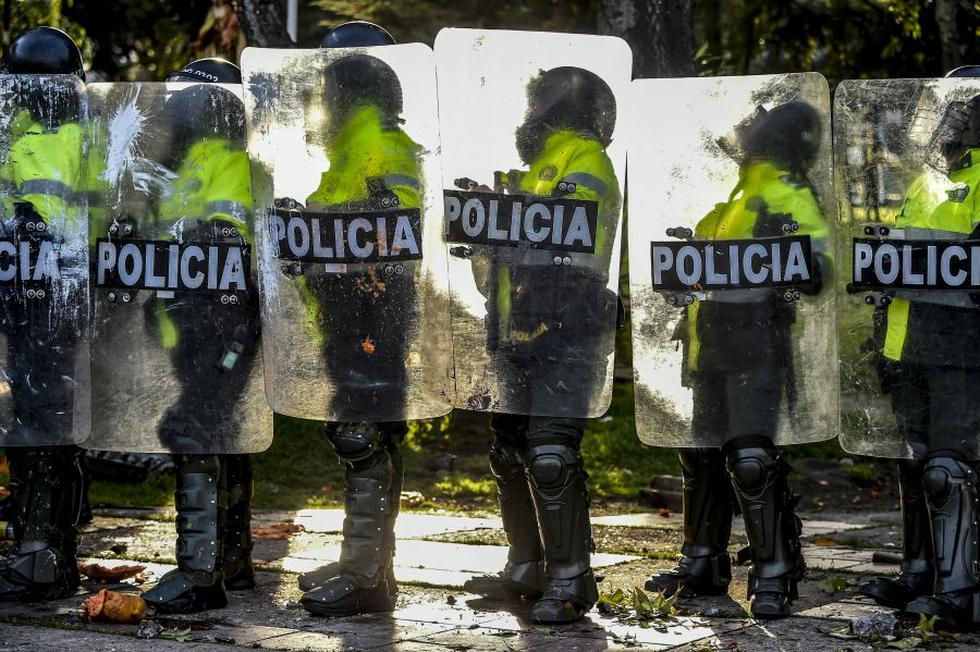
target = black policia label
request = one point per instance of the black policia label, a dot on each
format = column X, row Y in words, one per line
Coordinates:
column 27, row 262
column 553, row 223
column 366, row 237
column 167, row 265
column 915, row 265
column 731, row 264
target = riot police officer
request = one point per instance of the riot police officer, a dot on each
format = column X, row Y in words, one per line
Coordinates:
column 373, row 164
column 738, row 360
column 541, row 480
column 44, row 171
column 212, row 345
column 927, row 361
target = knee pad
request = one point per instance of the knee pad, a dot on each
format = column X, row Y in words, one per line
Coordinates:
column 551, row 466
column 752, row 468
column 355, row 441
column 208, row 464
column 943, row 475
column 506, row 461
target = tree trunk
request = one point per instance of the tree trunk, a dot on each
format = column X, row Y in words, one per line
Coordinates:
column 661, row 33
column 949, row 38
column 263, row 23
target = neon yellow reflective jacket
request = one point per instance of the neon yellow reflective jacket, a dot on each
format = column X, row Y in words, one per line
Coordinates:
column 45, row 168
column 576, row 157
column 940, row 203
column 366, row 148
column 736, row 219
column 212, row 183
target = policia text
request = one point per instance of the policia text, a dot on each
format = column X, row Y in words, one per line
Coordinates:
column 557, row 224
column 731, row 264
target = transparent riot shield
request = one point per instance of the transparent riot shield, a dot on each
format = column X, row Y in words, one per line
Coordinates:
column 44, row 315
column 731, row 265
column 533, row 175
column 176, row 349
column 907, row 162
column 344, row 146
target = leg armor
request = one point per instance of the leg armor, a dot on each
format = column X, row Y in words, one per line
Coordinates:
column 43, row 564
column 759, row 476
column 523, row 574
column 236, row 556
column 917, row 576
column 705, row 567
column 359, row 581
column 197, row 582
column 561, row 501
column 951, row 492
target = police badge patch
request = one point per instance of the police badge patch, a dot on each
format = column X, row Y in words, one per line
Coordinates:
column 958, row 193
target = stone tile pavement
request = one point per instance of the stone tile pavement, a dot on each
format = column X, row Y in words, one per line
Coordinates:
column 436, row 554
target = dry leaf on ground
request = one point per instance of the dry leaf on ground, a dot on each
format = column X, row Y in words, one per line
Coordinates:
column 276, row 530
column 109, row 574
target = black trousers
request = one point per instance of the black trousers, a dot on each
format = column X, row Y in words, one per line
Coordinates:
column 365, row 345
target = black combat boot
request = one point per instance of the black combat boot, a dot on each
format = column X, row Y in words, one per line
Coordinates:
column 42, row 564
column 759, row 476
column 561, row 501
column 917, row 576
column 951, row 493
column 705, row 567
column 197, row 582
column 523, row 576
column 362, row 581
column 236, row 556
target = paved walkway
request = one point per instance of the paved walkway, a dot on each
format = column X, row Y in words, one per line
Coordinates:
column 437, row 553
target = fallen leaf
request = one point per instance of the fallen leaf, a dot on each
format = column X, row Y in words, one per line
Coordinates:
column 824, row 541
column 114, row 607
column 412, row 498
column 109, row 574
column 276, row 531
column 368, row 345
column 905, row 643
column 833, row 585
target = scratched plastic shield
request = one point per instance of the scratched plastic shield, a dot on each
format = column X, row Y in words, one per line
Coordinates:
column 176, row 343
column 714, row 166
column 344, row 145
column 44, row 316
column 909, row 362
column 533, row 135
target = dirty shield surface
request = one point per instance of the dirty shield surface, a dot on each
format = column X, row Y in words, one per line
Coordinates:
column 176, row 349
column 44, row 280
column 907, row 156
column 533, row 173
column 731, row 263
column 344, row 145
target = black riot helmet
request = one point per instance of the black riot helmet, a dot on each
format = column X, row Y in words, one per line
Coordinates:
column 357, row 34
column 44, row 51
column 203, row 109
column 362, row 80
column 212, row 70
column 965, row 71
column 787, row 135
column 566, row 98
